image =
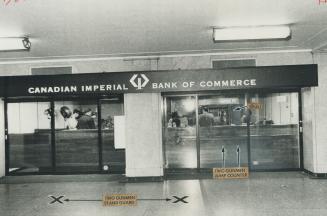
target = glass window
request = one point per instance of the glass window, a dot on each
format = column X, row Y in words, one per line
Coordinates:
column 274, row 131
column 29, row 129
column 222, row 131
column 76, row 146
column 180, row 132
column 76, row 135
column 230, row 126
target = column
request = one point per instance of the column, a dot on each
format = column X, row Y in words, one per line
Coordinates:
column 314, row 115
column 308, row 119
column 144, row 157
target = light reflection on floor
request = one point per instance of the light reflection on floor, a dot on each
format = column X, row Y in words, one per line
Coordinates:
column 291, row 193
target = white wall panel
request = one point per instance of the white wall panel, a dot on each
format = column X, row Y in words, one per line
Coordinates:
column 143, row 135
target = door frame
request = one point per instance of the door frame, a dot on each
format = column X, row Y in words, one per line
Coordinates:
column 200, row 170
column 51, row 101
column 164, row 116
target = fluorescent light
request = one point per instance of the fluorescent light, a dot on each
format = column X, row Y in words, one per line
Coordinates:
column 8, row 44
column 251, row 33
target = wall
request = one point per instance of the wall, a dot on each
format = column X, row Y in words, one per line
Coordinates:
column 308, row 119
column 173, row 62
column 317, row 107
column 2, row 140
column 143, row 135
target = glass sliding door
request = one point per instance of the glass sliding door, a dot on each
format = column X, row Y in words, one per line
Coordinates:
column 29, row 134
column 222, row 131
column 180, row 132
column 274, row 131
column 259, row 130
column 112, row 123
column 76, row 136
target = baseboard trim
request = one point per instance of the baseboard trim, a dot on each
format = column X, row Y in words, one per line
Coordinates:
column 316, row 175
column 142, row 179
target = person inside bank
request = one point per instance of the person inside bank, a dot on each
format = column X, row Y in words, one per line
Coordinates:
column 78, row 119
column 206, row 119
column 176, row 122
column 86, row 121
column 70, row 120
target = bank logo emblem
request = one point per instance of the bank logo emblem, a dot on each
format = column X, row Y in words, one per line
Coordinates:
column 139, row 81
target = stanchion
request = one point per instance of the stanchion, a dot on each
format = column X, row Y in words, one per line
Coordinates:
column 223, row 156
column 238, row 156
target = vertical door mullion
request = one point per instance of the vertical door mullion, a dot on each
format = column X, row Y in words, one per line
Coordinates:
column 163, row 120
column 248, row 142
column 197, row 132
column 100, row 135
column 300, row 133
column 7, row 156
column 53, row 136
column 248, row 132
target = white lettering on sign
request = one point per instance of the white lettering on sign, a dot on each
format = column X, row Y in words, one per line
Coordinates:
column 101, row 88
column 253, row 82
column 185, row 84
column 164, row 85
column 140, row 84
column 188, row 84
column 52, row 89
column 227, row 83
column 70, row 89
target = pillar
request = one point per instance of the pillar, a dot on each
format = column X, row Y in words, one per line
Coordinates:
column 314, row 115
column 143, row 130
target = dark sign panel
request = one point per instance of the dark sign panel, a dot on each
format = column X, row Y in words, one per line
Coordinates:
column 160, row 81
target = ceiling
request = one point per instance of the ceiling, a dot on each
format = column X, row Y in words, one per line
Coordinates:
column 88, row 28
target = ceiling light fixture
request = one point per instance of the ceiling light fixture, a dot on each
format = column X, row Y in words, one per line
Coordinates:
column 251, row 33
column 14, row 43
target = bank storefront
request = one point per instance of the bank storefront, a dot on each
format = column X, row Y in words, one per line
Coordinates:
column 210, row 118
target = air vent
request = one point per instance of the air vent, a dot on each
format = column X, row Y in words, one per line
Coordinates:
column 52, row 70
column 233, row 63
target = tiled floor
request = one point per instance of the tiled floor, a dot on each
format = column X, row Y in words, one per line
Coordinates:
column 291, row 193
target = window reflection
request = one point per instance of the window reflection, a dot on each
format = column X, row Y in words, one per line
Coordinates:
column 273, row 108
column 29, row 136
column 220, row 110
column 221, row 130
column 181, row 112
column 76, row 137
column 180, row 134
column 274, row 130
column 273, row 120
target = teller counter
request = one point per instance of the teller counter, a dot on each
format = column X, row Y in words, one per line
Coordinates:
column 74, row 148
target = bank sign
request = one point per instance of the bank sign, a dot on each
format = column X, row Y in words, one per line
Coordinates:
column 160, row 81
